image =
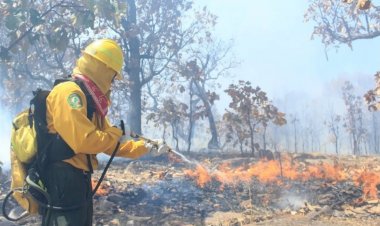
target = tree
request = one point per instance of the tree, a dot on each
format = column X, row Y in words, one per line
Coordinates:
column 333, row 124
column 375, row 132
column 353, row 121
column 372, row 96
column 201, row 72
column 197, row 79
column 270, row 114
column 39, row 41
column 372, row 100
column 342, row 22
column 252, row 106
column 309, row 130
column 155, row 32
column 151, row 32
column 170, row 114
column 235, row 130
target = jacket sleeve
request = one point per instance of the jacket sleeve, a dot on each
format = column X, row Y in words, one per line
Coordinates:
column 128, row 149
column 132, row 149
column 66, row 105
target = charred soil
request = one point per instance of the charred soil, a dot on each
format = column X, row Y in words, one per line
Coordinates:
column 307, row 189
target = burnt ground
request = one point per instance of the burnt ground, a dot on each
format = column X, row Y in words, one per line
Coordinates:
column 159, row 192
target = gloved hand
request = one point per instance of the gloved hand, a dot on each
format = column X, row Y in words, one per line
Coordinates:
column 157, row 147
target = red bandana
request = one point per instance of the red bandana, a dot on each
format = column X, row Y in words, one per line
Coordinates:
column 99, row 98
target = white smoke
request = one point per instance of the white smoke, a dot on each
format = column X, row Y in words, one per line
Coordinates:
column 292, row 200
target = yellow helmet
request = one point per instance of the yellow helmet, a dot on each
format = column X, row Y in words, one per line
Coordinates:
column 108, row 52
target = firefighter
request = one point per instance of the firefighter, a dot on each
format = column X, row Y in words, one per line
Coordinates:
column 68, row 182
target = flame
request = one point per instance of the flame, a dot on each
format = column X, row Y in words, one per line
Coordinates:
column 276, row 172
column 103, row 189
column 369, row 182
column 201, row 173
column 324, row 171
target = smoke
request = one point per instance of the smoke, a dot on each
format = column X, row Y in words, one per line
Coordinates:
column 292, row 200
column 5, row 137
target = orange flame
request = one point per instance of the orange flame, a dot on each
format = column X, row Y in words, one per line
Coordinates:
column 324, row 171
column 200, row 173
column 369, row 182
column 274, row 171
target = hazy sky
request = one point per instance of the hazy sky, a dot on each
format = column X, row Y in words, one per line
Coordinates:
column 277, row 53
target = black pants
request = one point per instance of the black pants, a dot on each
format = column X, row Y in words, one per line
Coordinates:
column 68, row 187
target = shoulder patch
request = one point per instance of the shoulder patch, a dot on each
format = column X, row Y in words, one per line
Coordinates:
column 75, row 101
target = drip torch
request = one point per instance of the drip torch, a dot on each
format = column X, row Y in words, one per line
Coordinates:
column 138, row 136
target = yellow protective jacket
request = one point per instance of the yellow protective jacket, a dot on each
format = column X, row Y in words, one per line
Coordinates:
column 67, row 115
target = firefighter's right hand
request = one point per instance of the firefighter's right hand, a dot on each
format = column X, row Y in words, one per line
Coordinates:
column 157, row 147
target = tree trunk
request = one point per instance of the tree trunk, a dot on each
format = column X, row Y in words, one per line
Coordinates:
column 355, row 142
column 174, row 134
column 213, row 143
column 191, row 122
column 134, row 116
column 252, row 136
column 164, row 132
column 375, row 133
column 264, row 138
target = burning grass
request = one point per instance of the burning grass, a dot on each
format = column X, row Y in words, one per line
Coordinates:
column 219, row 190
column 287, row 169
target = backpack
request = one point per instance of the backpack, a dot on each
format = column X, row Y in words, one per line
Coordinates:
column 30, row 142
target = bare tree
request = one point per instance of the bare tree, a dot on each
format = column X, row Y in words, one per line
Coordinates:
column 170, row 114
column 333, row 124
column 236, row 131
column 40, row 43
column 270, row 114
column 207, row 64
column 152, row 33
column 252, row 106
column 342, row 22
column 375, row 132
column 353, row 121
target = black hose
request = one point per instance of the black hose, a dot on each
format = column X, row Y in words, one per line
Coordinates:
column 47, row 206
column 5, row 214
column 105, row 169
column 109, row 161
